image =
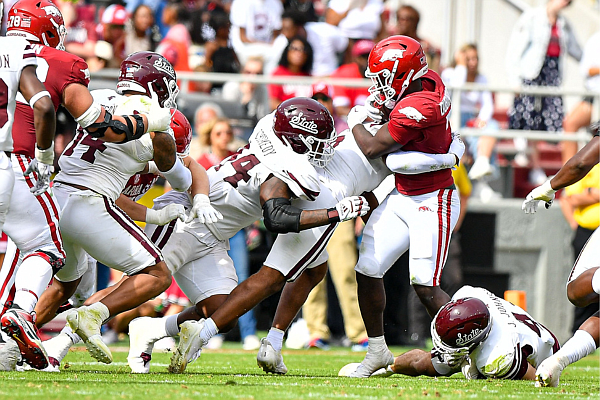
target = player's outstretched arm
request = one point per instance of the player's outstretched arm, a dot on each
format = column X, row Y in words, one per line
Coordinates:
column 416, row 362
column 93, row 117
column 281, row 216
column 414, row 162
column 578, row 166
column 167, row 162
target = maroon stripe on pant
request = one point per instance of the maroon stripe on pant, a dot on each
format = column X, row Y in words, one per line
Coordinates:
column 11, row 272
column 54, row 232
column 167, row 235
column 126, row 223
column 313, row 253
column 157, row 233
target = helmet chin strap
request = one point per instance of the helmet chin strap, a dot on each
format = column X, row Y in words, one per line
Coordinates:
column 405, row 84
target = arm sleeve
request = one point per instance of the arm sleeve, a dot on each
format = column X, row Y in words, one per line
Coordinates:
column 414, row 162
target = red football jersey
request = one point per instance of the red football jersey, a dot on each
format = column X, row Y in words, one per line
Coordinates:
column 56, row 69
column 419, row 123
column 138, row 185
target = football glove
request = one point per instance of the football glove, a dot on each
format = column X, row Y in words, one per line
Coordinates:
column 544, row 193
column 165, row 215
column 456, row 357
column 357, row 115
column 159, row 119
column 469, row 369
column 457, row 147
column 41, row 166
column 203, row 210
column 352, row 207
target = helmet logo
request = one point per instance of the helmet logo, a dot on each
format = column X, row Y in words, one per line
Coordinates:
column 464, row 339
column 52, row 10
column 392, row 55
column 163, row 65
column 412, row 113
column 300, row 122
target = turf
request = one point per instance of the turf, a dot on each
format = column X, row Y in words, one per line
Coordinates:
column 233, row 374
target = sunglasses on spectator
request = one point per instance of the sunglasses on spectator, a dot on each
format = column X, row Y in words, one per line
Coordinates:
column 296, row 48
column 321, row 97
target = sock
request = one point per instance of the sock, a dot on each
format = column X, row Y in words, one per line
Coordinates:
column 209, row 330
column 275, row 336
column 376, row 344
column 72, row 335
column 596, row 281
column 579, row 346
column 31, row 280
column 101, row 309
column 171, row 326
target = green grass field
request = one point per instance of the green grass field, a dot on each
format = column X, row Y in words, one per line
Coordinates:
column 232, row 374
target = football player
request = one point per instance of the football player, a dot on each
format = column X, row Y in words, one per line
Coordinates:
column 583, row 285
column 92, row 176
column 40, row 254
column 481, row 335
column 17, row 74
column 422, row 210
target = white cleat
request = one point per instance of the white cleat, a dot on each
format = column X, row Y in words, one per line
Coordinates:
column 269, row 359
column 373, row 362
column 86, row 323
column 189, row 348
column 9, row 355
column 548, row 372
column 57, row 349
column 143, row 333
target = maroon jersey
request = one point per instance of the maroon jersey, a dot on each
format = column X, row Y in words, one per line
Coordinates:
column 138, row 185
column 419, row 123
column 56, row 69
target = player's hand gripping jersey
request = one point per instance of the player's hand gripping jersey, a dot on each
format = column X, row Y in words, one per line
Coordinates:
column 104, row 167
column 514, row 340
column 235, row 183
column 419, row 122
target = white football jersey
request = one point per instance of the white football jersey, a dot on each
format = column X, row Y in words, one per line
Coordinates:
column 235, row 182
column 349, row 172
column 103, row 167
column 15, row 54
column 514, row 339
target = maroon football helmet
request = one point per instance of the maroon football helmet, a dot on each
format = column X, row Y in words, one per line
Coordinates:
column 147, row 72
column 37, row 21
column 460, row 324
column 393, row 64
column 306, row 126
column 183, row 133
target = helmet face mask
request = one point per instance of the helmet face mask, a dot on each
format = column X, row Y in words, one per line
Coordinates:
column 37, row 21
column 306, row 126
column 394, row 63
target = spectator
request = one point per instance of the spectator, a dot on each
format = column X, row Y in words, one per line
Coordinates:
column 582, row 114
column 157, row 7
column 323, row 93
column 296, row 60
column 580, row 204
column 216, row 136
column 536, row 54
column 253, row 97
column 305, row 7
column 204, row 114
column 112, row 30
column 345, row 97
column 103, row 52
column 201, row 30
column 326, row 40
column 174, row 46
column 219, row 56
column 255, row 24
column 476, row 110
column 358, row 19
column 408, row 23
column 141, row 34
column 81, row 28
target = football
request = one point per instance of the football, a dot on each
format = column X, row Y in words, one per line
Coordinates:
column 347, row 369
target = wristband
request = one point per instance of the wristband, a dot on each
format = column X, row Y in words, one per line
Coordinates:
column 45, row 156
column 333, row 215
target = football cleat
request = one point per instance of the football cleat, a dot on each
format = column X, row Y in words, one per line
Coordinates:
column 269, row 359
column 9, row 355
column 548, row 372
column 189, row 348
column 86, row 322
column 143, row 333
column 373, row 362
column 57, row 349
column 18, row 324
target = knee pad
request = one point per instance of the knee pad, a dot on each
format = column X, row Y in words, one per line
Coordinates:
column 55, row 262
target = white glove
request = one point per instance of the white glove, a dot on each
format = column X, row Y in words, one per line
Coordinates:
column 456, row 357
column 165, row 215
column 42, row 166
column 202, row 210
column 159, row 119
column 352, row 207
column 457, row 147
column 375, row 110
column 469, row 369
column 357, row 115
column 544, row 193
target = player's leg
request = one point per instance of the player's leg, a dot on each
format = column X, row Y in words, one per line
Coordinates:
column 583, row 285
column 385, row 239
column 431, row 219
